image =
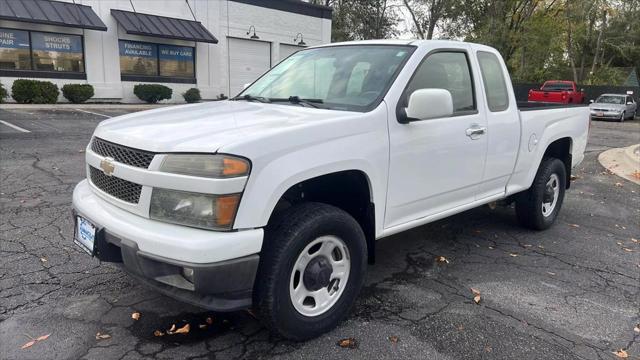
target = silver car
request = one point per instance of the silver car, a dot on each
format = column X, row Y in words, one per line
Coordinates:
column 614, row 106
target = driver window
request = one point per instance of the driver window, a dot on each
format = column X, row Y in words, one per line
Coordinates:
column 449, row 71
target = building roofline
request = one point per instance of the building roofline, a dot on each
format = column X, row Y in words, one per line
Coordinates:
column 292, row 6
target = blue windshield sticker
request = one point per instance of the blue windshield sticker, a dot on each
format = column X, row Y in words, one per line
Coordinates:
column 137, row 49
column 56, row 42
column 14, row 39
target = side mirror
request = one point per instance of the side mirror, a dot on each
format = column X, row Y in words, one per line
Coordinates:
column 429, row 104
column 629, row 103
column 591, row 101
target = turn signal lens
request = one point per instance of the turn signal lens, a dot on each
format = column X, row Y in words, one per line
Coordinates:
column 234, row 167
column 226, row 206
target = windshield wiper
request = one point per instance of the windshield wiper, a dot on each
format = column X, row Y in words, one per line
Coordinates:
column 297, row 100
column 249, row 97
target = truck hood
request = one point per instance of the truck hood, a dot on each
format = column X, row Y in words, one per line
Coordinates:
column 206, row 127
column 607, row 106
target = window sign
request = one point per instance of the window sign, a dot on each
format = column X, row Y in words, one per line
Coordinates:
column 138, row 58
column 15, row 51
column 57, row 52
column 176, row 61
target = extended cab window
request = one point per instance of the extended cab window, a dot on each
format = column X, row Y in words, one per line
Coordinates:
column 494, row 84
column 449, row 71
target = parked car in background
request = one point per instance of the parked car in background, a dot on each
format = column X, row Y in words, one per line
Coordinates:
column 275, row 198
column 557, row 91
column 614, row 106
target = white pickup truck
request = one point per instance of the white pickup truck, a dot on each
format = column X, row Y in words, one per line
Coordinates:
column 275, row 198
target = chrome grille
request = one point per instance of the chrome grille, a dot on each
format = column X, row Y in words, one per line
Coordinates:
column 122, row 154
column 116, row 187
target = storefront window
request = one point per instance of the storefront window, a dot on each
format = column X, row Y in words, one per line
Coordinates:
column 176, row 61
column 15, row 53
column 57, row 52
column 138, row 58
column 146, row 59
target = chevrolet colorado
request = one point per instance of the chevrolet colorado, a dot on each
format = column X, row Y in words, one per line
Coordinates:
column 275, row 198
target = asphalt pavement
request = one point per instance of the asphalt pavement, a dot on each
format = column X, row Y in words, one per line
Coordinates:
column 569, row 292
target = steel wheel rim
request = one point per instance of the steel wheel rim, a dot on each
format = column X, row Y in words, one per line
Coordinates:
column 554, row 183
column 313, row 303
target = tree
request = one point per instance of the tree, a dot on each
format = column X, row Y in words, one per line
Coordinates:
column 362, row 19
column 428, row 14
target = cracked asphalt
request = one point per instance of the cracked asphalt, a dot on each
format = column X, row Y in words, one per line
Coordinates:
column 569, row 292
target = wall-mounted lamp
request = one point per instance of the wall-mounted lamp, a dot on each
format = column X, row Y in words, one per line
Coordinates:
column 301, row 43
column 253, row 36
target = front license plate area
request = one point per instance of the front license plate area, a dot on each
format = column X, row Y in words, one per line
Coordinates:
column 599, row 114
column 85, row 235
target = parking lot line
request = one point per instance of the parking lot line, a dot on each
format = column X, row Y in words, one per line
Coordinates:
column 15, row 127
column 94, row 113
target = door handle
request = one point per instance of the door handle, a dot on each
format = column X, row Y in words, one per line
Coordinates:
column 475, row 131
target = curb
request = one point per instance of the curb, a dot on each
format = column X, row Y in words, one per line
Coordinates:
column 623, row 162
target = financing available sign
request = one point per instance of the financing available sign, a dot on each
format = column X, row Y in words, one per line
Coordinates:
column 137, row 49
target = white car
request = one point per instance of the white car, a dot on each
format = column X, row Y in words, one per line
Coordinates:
column 275, row 198
column 614, row 106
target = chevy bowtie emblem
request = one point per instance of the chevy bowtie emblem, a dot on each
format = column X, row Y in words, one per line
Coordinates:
column 107, row 166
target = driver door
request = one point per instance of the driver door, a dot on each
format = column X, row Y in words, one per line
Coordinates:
column 437, row 164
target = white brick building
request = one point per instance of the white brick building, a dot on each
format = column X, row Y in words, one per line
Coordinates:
column 115, row 44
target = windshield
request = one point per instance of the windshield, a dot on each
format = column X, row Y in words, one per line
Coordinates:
column 606, row 99
column 557, row 86
column 350, row 78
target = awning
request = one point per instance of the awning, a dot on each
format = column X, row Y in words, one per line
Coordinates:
column 52, row 13
column 136, row 23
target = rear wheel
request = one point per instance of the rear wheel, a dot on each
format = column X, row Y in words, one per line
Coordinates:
column 538, row 207
column 311, row 270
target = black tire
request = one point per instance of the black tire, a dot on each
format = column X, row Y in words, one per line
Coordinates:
column 622, row 117
column 529, row 203
column 285, row 238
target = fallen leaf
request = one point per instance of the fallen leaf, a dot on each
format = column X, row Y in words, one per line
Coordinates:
column 460, row 327
column 209, row 320
column 202, row 326
column 574, row 225
column 619, row 243
column 394, row 339
column 635, row 240
column 637, row 329
column 550, row 273
column 158, row 333
column 513, row 254
column 135, row 316
column 43, row 337
column 173, row 328
column 621, row 354
column 183, row 330
column 490, row 247
column 541, row 247
column 618, row 184
column 29, row 344
column 100, row 336
column 442, row 259
column 476, row 296
column 527, row 245
column 574, row 177
column 350, row 343
column 627, row 249
column 43, row 259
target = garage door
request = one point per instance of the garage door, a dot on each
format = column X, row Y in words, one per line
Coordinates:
column 248, row 59
column 286, row 50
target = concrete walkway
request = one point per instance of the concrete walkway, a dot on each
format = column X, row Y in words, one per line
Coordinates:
column 624, row 162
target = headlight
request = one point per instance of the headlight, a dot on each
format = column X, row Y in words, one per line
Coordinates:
column 207, row 211
column 210, row 166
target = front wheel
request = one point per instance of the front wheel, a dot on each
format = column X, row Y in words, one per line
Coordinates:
column 312, row 267
column 538, row 207
column 622, row 117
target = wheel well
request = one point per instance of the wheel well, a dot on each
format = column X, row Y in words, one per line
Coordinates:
column 348, row 190
column 561, row 149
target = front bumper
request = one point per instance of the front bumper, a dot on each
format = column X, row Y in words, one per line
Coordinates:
column 224, row 264
column 606, row 115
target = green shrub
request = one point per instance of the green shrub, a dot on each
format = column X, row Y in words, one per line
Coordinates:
column 77, row 93
column 192, row 95
column 3, row 93
column 152, row 93
column 34, row 92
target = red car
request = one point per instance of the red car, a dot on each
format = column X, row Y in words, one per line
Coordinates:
column 557, row 91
